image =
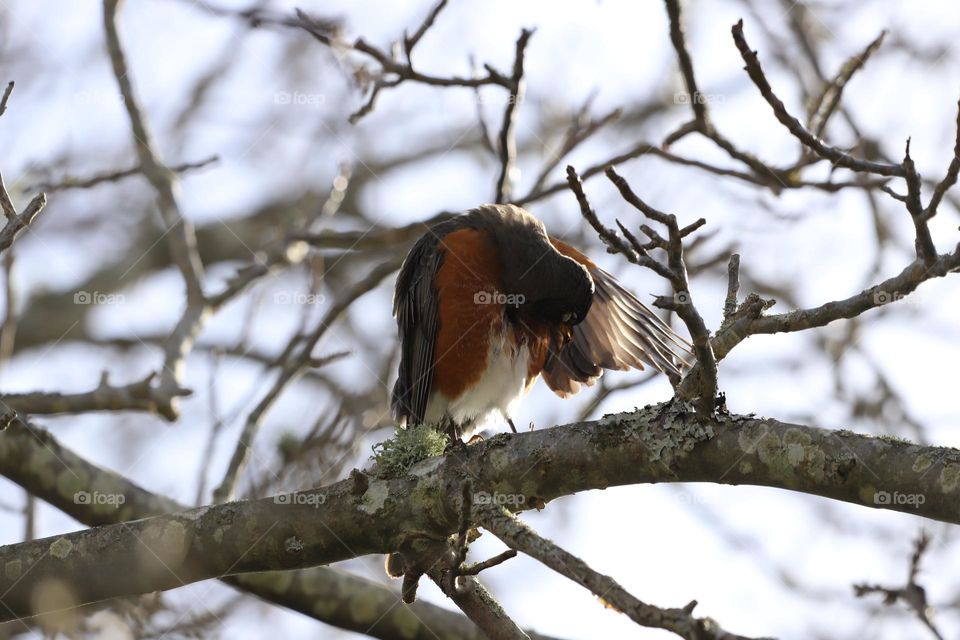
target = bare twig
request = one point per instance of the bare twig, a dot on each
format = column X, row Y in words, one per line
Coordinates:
column 675, row 272
column 912, row 593
column 517, row 535
column 183, row 242
column 826, row 103
column 392, row 71
column 18, row 223
column 950, row 178
column 6, row 96
column 137, row 396
column 835, row 155
column 733, row 286
column 300, row 349
column 6, row 205
column 409, row 42
column 113, row 176
column 507, row 145
column 581, row 128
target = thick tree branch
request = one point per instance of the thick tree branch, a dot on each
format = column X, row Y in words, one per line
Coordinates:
column 32, row 458
column 662, row 443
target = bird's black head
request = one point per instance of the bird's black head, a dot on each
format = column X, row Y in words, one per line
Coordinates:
column 539, row 278
column 567, row 292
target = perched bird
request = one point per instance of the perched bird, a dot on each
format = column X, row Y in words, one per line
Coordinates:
column 486, row 302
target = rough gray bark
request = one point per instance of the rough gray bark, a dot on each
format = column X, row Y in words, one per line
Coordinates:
column 35, row 460
column 662, row 443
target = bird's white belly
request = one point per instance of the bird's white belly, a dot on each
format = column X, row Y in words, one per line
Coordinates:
column 503, row 382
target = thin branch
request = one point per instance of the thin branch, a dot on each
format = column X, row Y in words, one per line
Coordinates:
column 394, row 72
column 137, row 396
column 951, row 176
column 826, row 103
column 733, row 286
column 578, row 132
column 293, row 366
column 517, row 535
column 912, row 593
column 835, row 155
column 6, row 97
column 114, row 176
column 181, row 238
column 18, row 223
column 507, row 145
column 675, row 271
column 409, row 42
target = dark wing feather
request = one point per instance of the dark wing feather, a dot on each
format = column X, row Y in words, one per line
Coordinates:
column 619, row 332
column 417, row 309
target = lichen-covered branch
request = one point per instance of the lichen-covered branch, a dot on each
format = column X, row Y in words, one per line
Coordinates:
column 661, row 443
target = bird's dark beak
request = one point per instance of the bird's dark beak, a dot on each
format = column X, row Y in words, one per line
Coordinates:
column 566, row 333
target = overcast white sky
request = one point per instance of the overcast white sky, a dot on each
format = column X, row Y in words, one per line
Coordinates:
column 723, row 546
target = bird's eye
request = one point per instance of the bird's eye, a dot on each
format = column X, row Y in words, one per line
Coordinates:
column 567, row 317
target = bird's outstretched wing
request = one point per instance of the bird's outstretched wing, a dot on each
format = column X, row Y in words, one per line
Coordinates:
column 417, row 309
column 619, row 332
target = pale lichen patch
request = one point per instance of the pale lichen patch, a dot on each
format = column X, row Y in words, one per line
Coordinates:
column 405, row 622
column 13, row 569
column 950, row 478
column 325, row 607
column 281, row 580
column 375, row 497
column 922, row 463
column 163, row 543
column 667, row 431
column 61, row 548
column 365, row 606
